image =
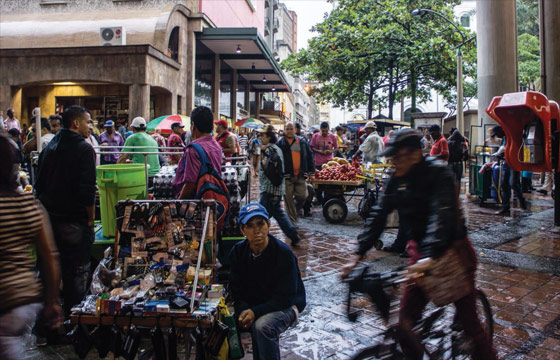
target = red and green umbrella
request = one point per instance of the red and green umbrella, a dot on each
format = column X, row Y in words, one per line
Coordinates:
column 250, row 123
column 163, row 123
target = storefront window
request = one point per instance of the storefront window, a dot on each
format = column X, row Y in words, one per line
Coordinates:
column 241, row 95
column 203, row 83
column 225, row 94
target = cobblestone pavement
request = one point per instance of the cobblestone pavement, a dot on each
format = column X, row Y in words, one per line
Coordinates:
column 519, row 271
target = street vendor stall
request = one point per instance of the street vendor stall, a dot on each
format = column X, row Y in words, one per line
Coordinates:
column 339, row 179
column 159, row 274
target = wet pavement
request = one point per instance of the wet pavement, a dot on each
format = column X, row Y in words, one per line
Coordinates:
column 519, row 271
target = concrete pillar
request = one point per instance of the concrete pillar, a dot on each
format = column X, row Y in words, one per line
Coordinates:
column 233, row 98
column 496, row 55
column 139, row 101
column 5, row 98
column 216, row 87
column 258, row 98
column 190, row 65
column 550, row 48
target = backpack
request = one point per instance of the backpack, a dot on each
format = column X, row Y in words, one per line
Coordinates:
column 210, row 186
column 273, row 170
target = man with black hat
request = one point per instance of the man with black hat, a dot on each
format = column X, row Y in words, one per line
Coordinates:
column 265, row 283
column 175, row 140
column 424, row 193
column 510, row 179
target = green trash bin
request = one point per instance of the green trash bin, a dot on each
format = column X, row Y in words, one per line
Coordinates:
column 118, row 182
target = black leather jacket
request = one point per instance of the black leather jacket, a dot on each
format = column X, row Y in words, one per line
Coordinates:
column 306, row 161
column 426, row 202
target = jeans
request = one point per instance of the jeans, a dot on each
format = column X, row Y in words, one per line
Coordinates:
column 13, row 325
column 73, row 241
column 296, row 193
column 266, row 331
column 511, row 181
column 272, row 205
column 413, row 302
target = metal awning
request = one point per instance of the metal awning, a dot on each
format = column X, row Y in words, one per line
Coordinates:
column 266, row 75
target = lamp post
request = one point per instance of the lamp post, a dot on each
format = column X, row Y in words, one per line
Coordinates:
column 460, row 117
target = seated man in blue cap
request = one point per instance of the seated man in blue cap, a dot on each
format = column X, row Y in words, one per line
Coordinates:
column 265, row 283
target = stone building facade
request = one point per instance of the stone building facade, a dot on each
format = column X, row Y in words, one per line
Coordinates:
column 52, row 55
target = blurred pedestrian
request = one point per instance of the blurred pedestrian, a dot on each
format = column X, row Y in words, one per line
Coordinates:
column 511, row 179
column 440, row 149
column 66, row 187
column 225, row 138
column 456, row 143
column 372, row 145
column 140, row 142
column 271, row 194
column 55, row 123
column 298, row 165
column 46, row 133
column 93, row 140
column 242, row 139
column 324, row 145
column 175, row 140
column 2, row 126
column 25, row 227
column 11, row 122
column 110, row 137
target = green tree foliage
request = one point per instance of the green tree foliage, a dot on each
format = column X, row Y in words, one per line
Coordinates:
column 367, row 52
column 528, row 17
column 528, row 49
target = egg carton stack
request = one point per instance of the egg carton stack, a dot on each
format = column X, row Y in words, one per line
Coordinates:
column 163, row 183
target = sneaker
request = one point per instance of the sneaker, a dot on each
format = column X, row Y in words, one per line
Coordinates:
column 502, row 212
column 392, row 249
column 404, row 254
column 523, row 203
column 307, row 213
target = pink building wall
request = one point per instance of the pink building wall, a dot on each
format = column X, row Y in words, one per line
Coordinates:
column 234, row 13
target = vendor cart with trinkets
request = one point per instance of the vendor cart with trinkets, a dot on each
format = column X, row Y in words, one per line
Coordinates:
column 154, row 294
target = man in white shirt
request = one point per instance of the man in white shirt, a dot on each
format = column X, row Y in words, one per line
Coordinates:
column 46, row 134
column 372, row 146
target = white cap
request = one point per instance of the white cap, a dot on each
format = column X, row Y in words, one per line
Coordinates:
column 370, row 124
column 138, row 122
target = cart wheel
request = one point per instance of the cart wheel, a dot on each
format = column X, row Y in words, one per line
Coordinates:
column 335, row 210
column 378, row 245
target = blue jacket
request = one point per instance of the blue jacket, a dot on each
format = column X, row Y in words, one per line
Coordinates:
column 267, row 283
column 306, row 161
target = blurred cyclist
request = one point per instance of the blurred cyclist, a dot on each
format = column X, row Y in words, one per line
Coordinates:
column 423, row 191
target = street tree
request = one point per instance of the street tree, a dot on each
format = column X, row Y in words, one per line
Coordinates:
column 375, row 51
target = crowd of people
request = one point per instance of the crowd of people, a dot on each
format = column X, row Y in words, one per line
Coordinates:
column 265, row 279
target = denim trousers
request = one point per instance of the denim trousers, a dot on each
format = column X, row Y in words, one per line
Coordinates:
column 272, row 205
column 266, row 331
column 13, row 325
column 511, row 180
column 73, row 240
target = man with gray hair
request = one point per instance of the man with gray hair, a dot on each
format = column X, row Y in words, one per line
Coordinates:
column 372, row 146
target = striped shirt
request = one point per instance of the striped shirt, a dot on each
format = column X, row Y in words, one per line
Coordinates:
column 20, row 223
column 243, row 141
column 265, row 186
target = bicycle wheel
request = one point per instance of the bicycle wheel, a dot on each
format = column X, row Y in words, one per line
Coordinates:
column 379, row 351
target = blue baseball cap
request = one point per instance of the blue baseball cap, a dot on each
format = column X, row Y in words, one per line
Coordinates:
column 109, row 123
column 251, row 210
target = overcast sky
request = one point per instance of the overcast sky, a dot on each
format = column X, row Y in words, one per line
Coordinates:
column 309, row 12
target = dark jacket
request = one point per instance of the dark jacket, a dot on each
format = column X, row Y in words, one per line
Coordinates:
column 306, row 156
column 428, row 209
column 66, row 177
column 456, row 148
column 270, row 282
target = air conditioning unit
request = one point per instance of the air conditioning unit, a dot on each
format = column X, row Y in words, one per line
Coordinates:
column 111, row 36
